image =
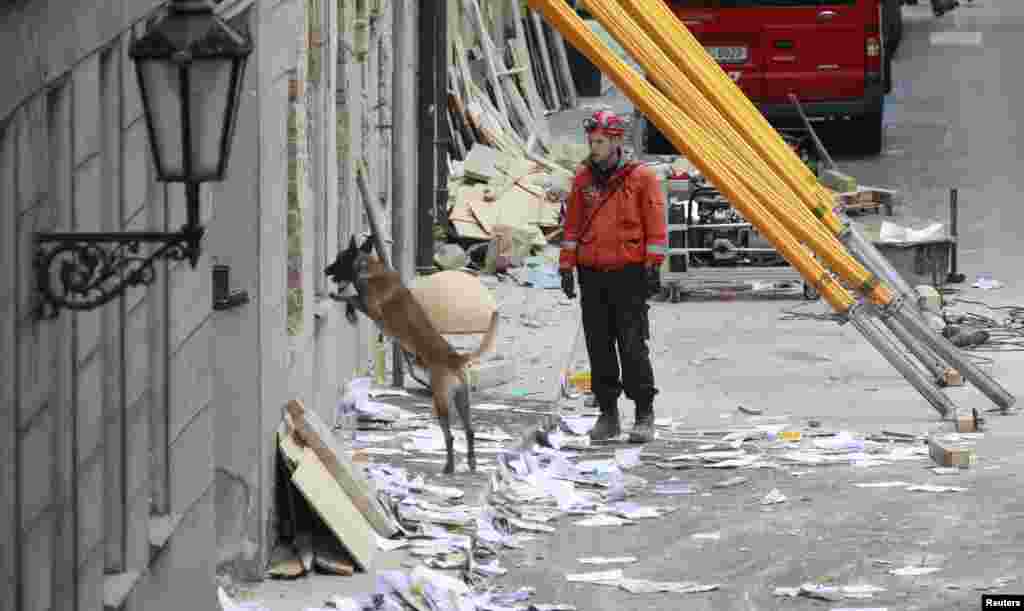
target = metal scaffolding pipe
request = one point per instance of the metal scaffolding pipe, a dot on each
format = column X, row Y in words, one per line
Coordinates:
column 922, row 332
column 864, row 322
column 875, row 262
column 863, row 250
column 924, row 355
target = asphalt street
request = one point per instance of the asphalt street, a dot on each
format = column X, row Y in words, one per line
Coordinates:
column 951, row 122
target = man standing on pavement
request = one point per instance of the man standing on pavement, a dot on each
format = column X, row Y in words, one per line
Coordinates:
column 615, row 236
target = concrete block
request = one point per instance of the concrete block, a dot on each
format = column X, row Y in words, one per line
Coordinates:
column 191, row 457
column 87, row 108
column 37, row 553
column 948, row 451
column 191, row 381
column 91, row 502
column 36, row 468
column 135, row 178
column 191, row 301
column 91, row 580
column 89, row 410
column 181, row 577
column 137, row 350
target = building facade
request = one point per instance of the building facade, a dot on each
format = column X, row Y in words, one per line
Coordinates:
column 137, row 440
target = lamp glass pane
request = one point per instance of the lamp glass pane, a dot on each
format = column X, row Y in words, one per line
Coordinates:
column 162, row 87
column 210, row 90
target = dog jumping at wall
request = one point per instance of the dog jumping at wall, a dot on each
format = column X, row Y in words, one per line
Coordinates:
column 381, row 296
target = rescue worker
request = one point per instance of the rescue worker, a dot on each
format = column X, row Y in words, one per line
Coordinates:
column 615, row 235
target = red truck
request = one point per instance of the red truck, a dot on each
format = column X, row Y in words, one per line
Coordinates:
column 835, row 55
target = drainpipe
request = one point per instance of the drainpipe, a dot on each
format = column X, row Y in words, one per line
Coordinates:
column 403, row 150
column 426, row 101
column 442, row 53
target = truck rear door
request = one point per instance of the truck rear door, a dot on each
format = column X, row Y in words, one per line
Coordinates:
column 814, row 48
column 732, row 35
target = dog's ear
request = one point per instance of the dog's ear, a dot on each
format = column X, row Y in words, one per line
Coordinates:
column 352, row 243
column 367, row 246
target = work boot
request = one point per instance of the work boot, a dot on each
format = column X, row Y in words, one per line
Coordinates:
column 643, row 427
column 608, row 426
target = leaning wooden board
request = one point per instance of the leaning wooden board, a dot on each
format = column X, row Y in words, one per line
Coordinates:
column 336, row 509
column 315, row 434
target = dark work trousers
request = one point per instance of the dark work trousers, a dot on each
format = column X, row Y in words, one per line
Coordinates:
column 615, row 317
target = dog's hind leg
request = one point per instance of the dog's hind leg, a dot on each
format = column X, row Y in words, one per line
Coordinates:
column 442, row 399
column 461, row 399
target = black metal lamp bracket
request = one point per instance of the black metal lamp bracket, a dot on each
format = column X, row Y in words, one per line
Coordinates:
column 83, row 271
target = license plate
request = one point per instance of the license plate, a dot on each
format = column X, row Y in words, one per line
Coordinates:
column 728, row 55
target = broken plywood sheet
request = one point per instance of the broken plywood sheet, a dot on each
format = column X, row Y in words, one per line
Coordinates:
column 315, row 434
column 482, row 162
column 466, row 223
column 336, row 509
column 517, row 208
column 455, row 301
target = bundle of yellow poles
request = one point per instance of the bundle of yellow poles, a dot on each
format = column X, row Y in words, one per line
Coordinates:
column 706, row 116
column 766, row 184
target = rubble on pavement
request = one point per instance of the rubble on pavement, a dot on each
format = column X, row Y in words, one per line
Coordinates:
column 531, row 491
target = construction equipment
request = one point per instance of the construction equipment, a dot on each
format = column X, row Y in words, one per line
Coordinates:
column 719, row 131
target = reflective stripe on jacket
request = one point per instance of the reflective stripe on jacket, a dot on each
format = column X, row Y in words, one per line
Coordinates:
column 628, row 228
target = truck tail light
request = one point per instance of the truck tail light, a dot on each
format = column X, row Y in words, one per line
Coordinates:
column 872, row 47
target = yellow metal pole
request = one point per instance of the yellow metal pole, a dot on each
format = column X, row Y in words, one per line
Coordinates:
column 692, row 100
column 767, row 187
column 687, row 54
column 716, row 162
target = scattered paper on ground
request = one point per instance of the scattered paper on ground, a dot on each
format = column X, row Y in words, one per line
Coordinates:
column 611, row 560
column 914, row 571
column 595, row 577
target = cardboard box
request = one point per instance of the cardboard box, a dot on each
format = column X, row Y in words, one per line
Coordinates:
column 950, row 452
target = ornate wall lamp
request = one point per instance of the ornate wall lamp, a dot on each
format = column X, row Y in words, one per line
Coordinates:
column 189, row 66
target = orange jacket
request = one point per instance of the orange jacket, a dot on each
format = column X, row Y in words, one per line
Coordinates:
column 628, row 228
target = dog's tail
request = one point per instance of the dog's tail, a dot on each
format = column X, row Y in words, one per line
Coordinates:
column 486, row 345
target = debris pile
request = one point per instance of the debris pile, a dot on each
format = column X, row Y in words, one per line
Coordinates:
column 459, row 545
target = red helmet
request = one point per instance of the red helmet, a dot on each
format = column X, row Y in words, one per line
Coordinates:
column 605, row 121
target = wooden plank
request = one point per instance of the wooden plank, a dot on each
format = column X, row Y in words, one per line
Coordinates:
column 336, row 509
column 486, row 46
column 315, row 434
column 541, row 43
column 521, row 57
column 458, row 146
column 562, row 65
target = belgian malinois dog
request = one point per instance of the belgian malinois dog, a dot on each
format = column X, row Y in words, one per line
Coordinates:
column 381, row 296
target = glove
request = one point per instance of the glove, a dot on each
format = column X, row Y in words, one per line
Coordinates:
column 653, row 281
column 568, row 284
